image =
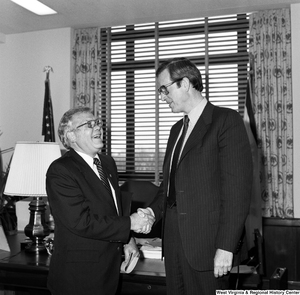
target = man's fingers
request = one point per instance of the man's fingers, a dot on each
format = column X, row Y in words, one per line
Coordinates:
column 221, row 271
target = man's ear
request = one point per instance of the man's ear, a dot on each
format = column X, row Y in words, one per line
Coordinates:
column 71, row 136
column 185, row 83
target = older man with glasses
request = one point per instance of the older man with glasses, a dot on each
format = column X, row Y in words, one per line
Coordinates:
column 205, row 194
column 90, row 225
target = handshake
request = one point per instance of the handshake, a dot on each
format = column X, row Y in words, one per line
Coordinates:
column 142, row 221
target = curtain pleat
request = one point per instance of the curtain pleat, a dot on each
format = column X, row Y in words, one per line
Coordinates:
column 86, row 61
column 270, row 50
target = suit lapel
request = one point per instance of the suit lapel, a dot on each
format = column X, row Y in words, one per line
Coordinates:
column 199, row 130
column 92, row 179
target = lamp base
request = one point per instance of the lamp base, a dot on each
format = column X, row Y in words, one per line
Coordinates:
column 35, row 248
column 37, row 229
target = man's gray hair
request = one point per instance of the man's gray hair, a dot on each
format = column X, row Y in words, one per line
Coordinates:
column 65, row 124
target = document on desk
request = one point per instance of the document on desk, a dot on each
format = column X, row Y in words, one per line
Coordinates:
column 150, row 248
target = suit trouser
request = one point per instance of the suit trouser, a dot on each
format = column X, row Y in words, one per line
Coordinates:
column 181, row 278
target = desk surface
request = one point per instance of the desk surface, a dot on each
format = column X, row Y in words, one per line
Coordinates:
column 19, row 268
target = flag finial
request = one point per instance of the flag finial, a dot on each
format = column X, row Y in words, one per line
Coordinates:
column 48, row 69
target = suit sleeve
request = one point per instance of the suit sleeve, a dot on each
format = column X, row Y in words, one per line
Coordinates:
column 76, row 206
column 157, row 205
column 236, row 179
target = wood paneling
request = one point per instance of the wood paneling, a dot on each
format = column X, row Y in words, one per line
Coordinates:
column 282, row 246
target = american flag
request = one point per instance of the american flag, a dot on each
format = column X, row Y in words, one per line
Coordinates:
column 254, row 219
column 48, row 124
column 248, row 111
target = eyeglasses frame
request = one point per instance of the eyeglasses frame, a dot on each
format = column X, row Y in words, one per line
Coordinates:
column 97, row 122
column 163, row 88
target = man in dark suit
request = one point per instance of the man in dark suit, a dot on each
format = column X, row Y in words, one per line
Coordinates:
column 90, row 228
column 204, row 199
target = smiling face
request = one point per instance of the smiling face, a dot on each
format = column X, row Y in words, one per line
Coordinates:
column 84, row 139
column 176, row 98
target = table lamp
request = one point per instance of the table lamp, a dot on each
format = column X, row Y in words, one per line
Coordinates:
column 26, row 178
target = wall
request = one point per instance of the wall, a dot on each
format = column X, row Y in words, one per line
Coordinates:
column 22, row 83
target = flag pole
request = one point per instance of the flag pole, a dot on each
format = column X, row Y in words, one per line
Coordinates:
column 48, row 124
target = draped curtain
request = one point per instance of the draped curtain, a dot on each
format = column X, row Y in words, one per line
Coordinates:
column 86, row 62
column 270, row 55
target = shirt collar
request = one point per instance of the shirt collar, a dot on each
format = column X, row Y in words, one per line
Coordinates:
column 87, row 158
column 196, row 112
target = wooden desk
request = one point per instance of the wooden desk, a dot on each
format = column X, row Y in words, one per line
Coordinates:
column 148, row 277
column 23, row 271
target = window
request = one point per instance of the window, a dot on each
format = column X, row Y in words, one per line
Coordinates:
column 137, row 122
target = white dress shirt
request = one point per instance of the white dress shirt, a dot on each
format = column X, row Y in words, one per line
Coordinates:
column 90, row 161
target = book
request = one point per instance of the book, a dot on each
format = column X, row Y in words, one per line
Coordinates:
column 150, row 248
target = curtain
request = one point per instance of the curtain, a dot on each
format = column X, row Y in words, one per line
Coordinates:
column 86, row 61
column 270, row 55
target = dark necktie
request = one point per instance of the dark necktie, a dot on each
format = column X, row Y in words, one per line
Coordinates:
column 102, row 174
column 172, row 193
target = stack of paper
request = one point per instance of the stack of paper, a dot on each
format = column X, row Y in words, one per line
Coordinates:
column 151, row 248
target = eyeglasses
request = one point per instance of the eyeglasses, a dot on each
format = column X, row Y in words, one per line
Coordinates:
column 92, row 124
column 163, row 88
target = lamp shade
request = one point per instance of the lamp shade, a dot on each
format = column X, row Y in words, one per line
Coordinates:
column 30, row 162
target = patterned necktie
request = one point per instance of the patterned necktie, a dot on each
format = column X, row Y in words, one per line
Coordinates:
column 172, row 193
column 102, row 174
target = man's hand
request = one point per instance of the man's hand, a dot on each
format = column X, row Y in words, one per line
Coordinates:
column 222, row 262
column 146, row 212
column 142, row 221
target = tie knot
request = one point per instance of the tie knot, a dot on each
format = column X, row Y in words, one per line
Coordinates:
column 186, row 120
column 97, row 161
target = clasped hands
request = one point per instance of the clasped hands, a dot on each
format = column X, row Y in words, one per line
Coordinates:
column 142, row 220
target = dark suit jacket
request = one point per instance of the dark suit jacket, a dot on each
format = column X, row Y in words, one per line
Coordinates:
column 88, row 231
column 213, row 185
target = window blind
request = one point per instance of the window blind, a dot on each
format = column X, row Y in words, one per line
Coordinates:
column 136, row 122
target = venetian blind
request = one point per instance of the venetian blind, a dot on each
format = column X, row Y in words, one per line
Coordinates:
column 137, row 124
